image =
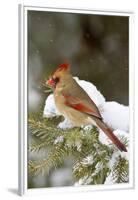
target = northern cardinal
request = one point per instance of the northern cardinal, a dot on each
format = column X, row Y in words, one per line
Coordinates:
column 75, row 104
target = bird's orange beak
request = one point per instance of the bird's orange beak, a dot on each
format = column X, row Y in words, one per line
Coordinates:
column 51, row 82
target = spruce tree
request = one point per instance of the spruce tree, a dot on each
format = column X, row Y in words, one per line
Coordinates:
column 93, row 161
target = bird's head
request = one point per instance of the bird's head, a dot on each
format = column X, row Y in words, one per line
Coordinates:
column 62, row 71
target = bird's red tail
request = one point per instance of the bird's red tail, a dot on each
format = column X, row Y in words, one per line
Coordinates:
column 111, row 135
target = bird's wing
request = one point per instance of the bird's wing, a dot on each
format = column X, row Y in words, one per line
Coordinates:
column 85, row 105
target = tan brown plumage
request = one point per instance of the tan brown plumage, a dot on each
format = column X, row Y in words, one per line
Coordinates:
column 75, row 104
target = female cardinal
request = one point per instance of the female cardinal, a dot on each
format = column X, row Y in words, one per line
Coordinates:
column 75, row 104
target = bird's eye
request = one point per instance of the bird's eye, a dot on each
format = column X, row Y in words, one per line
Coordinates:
column 56, row 79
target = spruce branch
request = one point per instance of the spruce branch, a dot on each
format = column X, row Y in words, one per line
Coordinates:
column 90, row 156
column 54, row 159
column 120, row 171
column 36, row 146
column 93, row 168
column 42, row 131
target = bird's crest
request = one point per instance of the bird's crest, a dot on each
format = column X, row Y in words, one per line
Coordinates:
column 63, row 67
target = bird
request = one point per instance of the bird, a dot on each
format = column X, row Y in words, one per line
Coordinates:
column 74, row 103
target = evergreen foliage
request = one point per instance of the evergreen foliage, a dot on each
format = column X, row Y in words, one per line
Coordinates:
column 91, row 157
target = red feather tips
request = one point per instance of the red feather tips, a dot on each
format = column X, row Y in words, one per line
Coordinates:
column 80, row 107
column 64, row 67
